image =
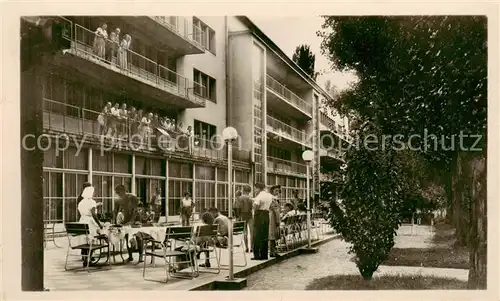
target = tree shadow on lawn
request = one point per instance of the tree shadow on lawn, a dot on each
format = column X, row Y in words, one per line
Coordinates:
column 445, row 254
column 356, row 282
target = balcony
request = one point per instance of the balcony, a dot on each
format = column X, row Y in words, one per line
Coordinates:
column 132, row 72
column 332, row 154
column 62, row 118
column 326, row 123
column 283, row 130
column 175, row 32
column 277, row 93
column 280, row 166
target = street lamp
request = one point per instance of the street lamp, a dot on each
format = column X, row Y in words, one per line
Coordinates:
column 308, row 156
column 229, row 134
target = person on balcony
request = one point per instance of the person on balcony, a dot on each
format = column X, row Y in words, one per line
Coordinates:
column 132, row 114
column 112, row 45
column 123, row 119
column 145, row 128
column 102, row 119
column 101, row 36
column 113, row 120
column 123, row 51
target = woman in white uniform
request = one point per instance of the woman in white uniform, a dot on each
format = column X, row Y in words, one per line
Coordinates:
column 87, row 209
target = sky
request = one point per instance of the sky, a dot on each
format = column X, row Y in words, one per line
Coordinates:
column 290, row 31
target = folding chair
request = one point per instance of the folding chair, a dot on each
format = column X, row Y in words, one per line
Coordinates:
column 207, row 237
column 168, row 250
column 81, row 229
column 238, row 230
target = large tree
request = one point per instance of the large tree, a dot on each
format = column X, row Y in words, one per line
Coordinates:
column 304, row 57
column 425, row 76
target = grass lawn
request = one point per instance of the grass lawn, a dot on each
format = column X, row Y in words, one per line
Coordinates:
column 446, row 254
column 356, row 282
column 455, row 258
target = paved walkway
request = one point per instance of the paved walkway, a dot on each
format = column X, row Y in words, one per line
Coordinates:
column 333, row 259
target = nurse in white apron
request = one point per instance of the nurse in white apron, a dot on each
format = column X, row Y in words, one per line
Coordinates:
column 87, row 209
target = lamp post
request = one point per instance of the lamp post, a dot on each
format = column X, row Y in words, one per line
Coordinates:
column 229, row 134
column 308, row 156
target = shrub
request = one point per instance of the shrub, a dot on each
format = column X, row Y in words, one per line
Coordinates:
column 372, row 200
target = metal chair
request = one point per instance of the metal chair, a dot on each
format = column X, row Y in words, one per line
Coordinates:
column 238, row 230
column 206, row 238
column 169, row 250
column 81, row 229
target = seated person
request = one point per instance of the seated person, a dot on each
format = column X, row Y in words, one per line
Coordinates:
column 223, row 223
column 137, row 244
column 144, row 216
column 207, row 219
column 288, row 211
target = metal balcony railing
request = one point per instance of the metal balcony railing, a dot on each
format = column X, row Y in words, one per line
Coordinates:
column 183, row 27
column 287, row 131
column 327, row 121
column 288, row 95
column 285, row 166
column 132, row 64
column 73, row 120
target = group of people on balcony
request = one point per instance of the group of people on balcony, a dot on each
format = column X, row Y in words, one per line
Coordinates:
column 112, row 46
column 119, row 121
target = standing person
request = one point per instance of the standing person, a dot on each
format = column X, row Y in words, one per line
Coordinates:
column 187, row 205
column 145, row 128
column 112, row 45
column 156, row 204
column 123, row 119
column 246, row 215
column 123, row 51
column 274, row 220
column 261, row 204
column 113, row 120
column 128, row 204
column 102, row 119
column 190, row 136
column 100, row 40
column 88, row 215
column 237, row 205
column 296, row 200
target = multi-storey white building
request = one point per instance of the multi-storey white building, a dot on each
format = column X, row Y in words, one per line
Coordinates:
column 203, row 72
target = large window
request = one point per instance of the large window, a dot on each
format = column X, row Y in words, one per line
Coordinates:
column 149, row 166
column 204, row 34
column 205, row 132
column 180, row 170
column 176, row 189
column 205, row 85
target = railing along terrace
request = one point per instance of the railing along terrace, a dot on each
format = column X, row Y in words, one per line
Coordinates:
column 285, row 166
column 286, row 130
column 184, row 28
column 327, row 121
column 132, row 64
column 288, row 95
column 70, row 119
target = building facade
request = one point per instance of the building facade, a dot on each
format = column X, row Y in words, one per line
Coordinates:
column 205, row 73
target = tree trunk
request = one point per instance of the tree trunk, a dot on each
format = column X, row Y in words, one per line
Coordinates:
column 478, row 230
column 448, row 187
column 460, row 206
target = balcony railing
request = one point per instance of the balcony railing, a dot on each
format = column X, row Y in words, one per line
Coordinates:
column 128, row 133
column 327, row 121
column 285, row 166
column 288, row 95
column 132, row 64
column 283, row 129
column 184, row 28
column 333, row 153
